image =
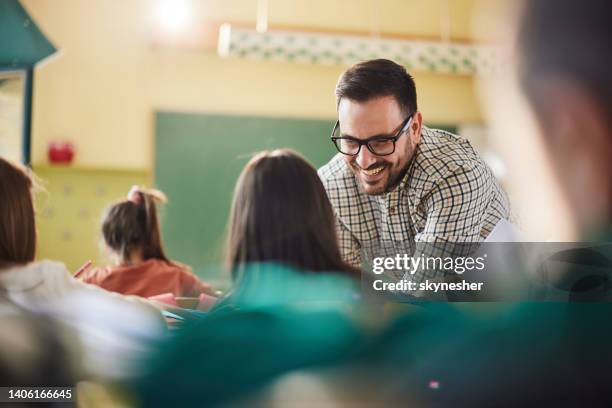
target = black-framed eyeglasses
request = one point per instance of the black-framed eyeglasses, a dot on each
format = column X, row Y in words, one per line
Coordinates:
column 378, row 145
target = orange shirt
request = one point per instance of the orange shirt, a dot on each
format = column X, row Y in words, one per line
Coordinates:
column 150, row 278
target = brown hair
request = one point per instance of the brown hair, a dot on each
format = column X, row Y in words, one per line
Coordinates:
column 17, row 226
column 281, row 213
column 376, row 78
column 133, row 223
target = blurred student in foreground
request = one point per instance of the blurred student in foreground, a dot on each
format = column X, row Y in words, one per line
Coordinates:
column 113, row 329
column 287, row 309
column 564, row 51
column 35, row 350
column 131, row 232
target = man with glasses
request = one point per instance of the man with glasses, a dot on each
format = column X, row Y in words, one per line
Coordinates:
column 396, row 183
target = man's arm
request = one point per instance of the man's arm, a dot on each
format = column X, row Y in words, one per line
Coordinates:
column 456, row 209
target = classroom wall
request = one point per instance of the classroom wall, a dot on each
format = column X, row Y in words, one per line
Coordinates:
column 102, row 88
column 69, row 211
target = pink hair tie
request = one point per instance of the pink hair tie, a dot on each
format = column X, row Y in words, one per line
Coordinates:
column 134, row 195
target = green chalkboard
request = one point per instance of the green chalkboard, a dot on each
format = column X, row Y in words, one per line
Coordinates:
column 198, row 159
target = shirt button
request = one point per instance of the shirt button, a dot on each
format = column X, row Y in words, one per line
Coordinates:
column 391, row 210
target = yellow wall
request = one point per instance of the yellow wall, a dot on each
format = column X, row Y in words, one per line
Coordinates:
column 69, row 210
column 103, row 87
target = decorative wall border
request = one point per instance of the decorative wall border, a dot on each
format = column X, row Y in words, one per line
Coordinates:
column 336, row 49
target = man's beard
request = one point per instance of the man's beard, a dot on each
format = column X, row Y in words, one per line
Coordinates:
column 394, row 180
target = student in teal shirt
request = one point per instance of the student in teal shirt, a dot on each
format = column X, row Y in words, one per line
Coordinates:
column 292, row 300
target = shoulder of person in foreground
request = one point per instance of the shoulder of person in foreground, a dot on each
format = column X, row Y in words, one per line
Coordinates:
column 114, row 330
column 36, row 281
column 36, row 350
column 59, row 284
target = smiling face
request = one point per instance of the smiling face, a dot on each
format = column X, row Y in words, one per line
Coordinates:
column 380, row 116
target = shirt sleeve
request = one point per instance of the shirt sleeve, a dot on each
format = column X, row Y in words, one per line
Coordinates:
column 455, row 209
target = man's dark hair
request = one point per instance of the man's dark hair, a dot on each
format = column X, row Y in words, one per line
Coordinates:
column 380, row 77
column 571, row 39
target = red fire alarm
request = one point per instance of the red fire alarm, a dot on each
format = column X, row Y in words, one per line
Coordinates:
column 61, row 152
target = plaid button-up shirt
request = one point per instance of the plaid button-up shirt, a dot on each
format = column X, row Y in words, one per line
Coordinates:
column 448, row 195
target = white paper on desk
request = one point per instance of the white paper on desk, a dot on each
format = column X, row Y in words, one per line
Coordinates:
column 505, row 231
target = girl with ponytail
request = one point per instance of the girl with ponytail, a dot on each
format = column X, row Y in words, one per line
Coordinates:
column 131, row 231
